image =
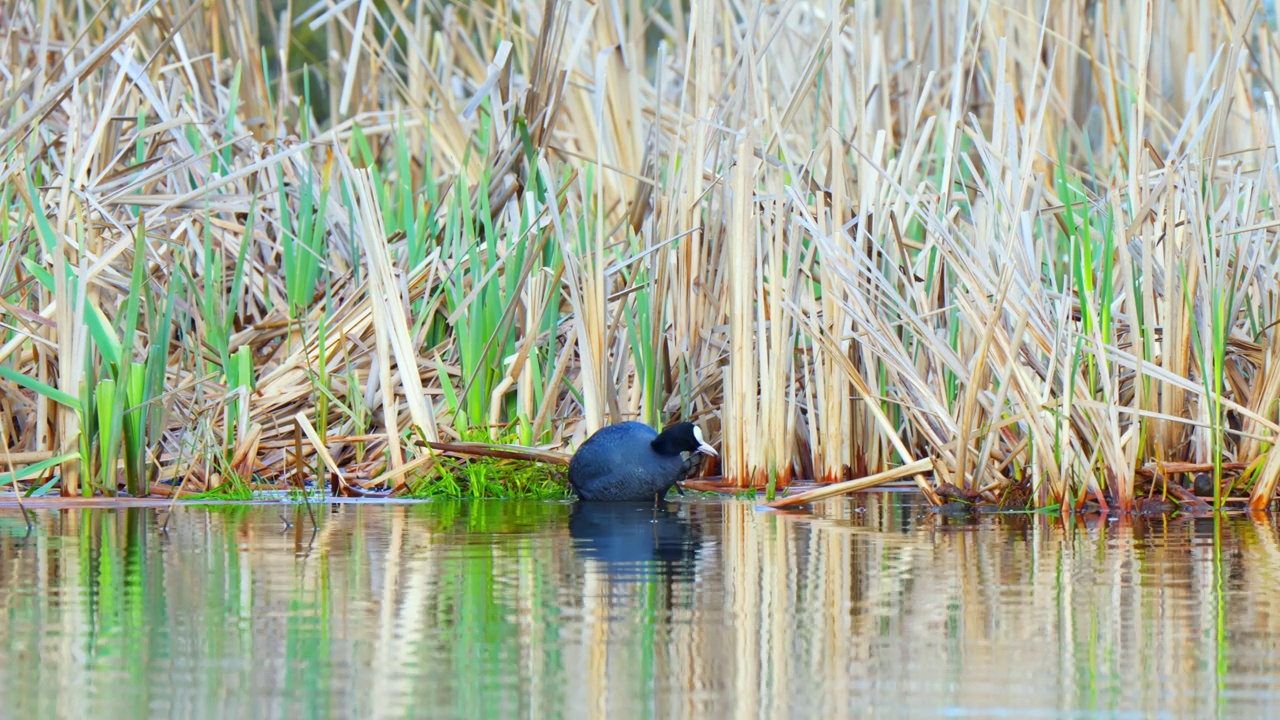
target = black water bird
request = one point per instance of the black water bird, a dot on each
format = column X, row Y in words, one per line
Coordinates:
column 631, row 461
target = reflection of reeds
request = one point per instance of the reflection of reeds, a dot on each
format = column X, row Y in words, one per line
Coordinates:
column 487, row 609
column 1034, row 248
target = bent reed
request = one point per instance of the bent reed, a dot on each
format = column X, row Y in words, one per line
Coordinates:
column 1030, row 243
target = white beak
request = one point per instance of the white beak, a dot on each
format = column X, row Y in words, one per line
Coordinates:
column 703, row 447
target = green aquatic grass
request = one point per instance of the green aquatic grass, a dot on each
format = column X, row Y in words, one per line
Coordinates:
column 303, row 238
column 490, row 478
column 486, row 478
column 233, row 487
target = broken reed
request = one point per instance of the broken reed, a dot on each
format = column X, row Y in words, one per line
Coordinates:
column 1035, row 249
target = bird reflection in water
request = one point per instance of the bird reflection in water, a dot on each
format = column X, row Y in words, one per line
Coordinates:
column 635, row 539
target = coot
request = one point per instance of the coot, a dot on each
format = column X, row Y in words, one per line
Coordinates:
column 631, row 461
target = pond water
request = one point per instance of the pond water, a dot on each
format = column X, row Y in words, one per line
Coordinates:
column 865, row 607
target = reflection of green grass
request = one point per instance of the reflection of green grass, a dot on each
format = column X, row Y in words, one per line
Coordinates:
column 466, row 517
column 13, row 527
column 476, row 614
column 234, row 514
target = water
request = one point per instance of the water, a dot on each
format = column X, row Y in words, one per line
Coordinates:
column 870, row 607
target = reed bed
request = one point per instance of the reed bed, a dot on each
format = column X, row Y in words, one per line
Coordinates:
column 1031, row 243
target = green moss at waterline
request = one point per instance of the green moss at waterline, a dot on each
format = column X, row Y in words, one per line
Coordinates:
column 489, row 478
column 232, row 489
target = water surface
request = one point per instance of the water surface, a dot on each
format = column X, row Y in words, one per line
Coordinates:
column 866, row 607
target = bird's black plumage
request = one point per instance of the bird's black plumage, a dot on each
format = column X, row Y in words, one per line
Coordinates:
column 631, row 461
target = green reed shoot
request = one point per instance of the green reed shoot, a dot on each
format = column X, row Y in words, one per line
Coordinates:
column 218, row 306
column 240, row 382
column 640, row 331
column 302, row 243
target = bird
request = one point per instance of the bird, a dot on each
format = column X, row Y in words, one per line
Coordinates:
column 631, row 461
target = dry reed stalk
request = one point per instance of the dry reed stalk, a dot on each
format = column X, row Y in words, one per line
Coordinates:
column 864, row 483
